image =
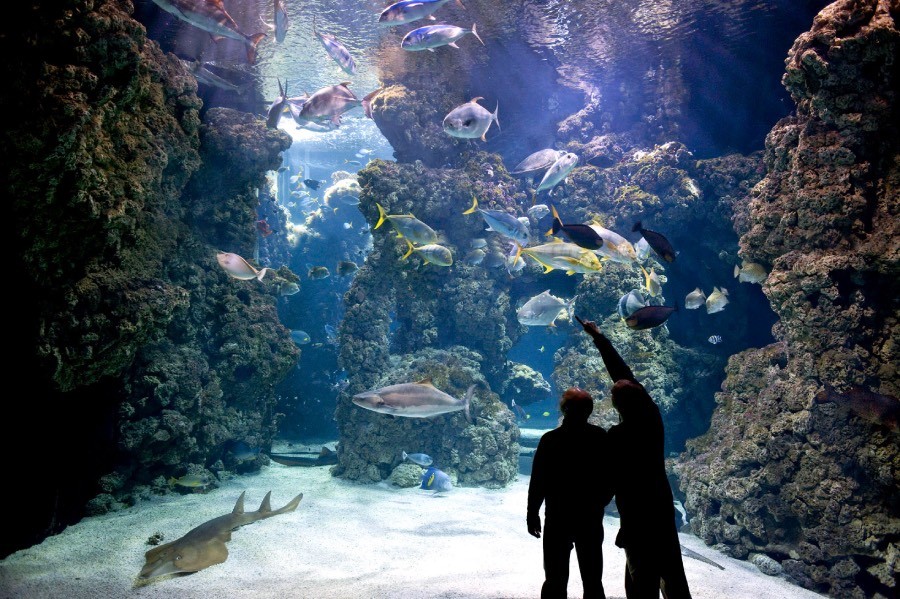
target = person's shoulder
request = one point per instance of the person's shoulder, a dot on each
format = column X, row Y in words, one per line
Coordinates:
column 596, row 429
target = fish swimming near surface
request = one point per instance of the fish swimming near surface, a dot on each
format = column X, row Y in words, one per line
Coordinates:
column 470, row 120
column 336, row 50
column 422, row 459
column 239, row 268
column 630, row 303
column 408, row 226
column 273, row 116
column 211, row 16
column 649, row 317
column 694, row 299
column 204, row 546
column 536, row 164
column 657, row 241
column 300, row 337
column 318, row 272
column 502, row 222
column 435, row 36
column 750, row 272
column 715, row 339
column 717, row 300
column 430, row 252
column 436, row 480
column 325, row 457
column 282, row 22
column 407, row 11
column 414, row 400
column 875, row 408
column 557, row 173
column 543, row 310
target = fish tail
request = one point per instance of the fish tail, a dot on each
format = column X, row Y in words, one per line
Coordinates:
column 636, row 227
column 737, row 270
column 403, row 455
column 495, row 117
column 557, row 222
column 381, row 215
column 460, row 3
column 411, row 248
column 253, row 42
column 474, row 206
column 261, row 274
column 367, row 102
column 468, row 399
column 475, row 33
column 518, row 251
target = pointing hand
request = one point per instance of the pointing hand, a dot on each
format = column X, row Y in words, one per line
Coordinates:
column 590, row 327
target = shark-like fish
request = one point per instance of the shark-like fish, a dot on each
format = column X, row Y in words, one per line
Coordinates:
column 211, row 16
column 204, row 546
column 413, row 400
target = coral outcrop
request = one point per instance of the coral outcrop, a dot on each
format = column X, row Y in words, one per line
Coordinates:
column 813, row 484
column 136, row 324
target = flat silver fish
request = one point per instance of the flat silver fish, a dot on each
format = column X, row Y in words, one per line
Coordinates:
column 543, row 309
column 407, row 11
column 470, row 120
column 435, row 36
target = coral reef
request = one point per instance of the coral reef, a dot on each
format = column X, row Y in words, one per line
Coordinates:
column 525, row 385
column 135, row 319
column 809, row 484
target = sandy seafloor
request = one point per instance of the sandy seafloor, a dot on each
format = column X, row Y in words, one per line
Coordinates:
column 346, row 540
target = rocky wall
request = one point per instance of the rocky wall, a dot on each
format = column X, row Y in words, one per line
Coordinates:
column 125, row 322
column 801, row 461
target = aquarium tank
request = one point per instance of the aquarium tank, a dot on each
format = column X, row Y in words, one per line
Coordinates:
column 338, row 251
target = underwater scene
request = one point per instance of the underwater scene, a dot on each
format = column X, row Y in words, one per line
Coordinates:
column 421, row 280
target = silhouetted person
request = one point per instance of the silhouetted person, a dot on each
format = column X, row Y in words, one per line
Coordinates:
column 647, row 526
column 570, row 476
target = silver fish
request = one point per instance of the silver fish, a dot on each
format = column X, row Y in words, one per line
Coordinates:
column 327, row 105
column 211, row 16
column 413, row 400
column 502, row 222
column 557, row 172
column 543, row 309
column 750, row 272
column 273, row 116
column 239, row 268
column 694, row 299
column 207, row 77
column 435, row 36
column 717, row 300
column 642, row 249
column 336, row 50
column 282, row 22
column 407, row 11
column 538, row 211
column 470, row 121
column 536, row 164
column 431, row 252
column 421, row 459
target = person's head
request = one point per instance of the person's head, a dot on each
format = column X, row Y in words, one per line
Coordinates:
column 576, row 404
column 625, row 395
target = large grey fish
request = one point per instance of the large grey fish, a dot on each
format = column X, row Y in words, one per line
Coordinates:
column 502, row 222
column 557, row 172
column 407, row 11
column 211, row 16
column 694, row 299
column 750, row 272
column 204, row 545
column 336, row 50
column 543, row 309
column 282, row 22
column 413, row 400
column 408, row 226
column 535, row 165
column 470, row 121
column 717, row 300
column 329, row 103
column 435, row 36
column 278, row 106
column 207, row 77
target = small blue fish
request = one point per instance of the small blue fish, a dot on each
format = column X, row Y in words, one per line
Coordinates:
column 714, row 339
column 422, row 459
column 436, row 480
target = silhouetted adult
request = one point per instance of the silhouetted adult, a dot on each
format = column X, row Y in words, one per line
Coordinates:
column 647, row 527
column 570, row 475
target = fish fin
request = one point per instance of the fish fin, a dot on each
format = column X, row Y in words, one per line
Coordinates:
column 407, row 254
column 453, row 45
column 483, row 138
column 367, row 101
column 460, row 3
column 381, row 215
column 737, row 270
column 547, row 268
column 425, row 381
column 266, row 506
column 534, row 199
column 239, row 506
column 430, row 49
column 475, row 33
column 261, row 274
column 495, row 115
column 253, row 42
column 474, row 206
column 468, row 399
column 431, row 18
column 266, row 25
column 217, row 38
column 475, row 99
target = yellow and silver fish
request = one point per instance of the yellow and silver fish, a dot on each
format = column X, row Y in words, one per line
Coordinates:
column 750, row 272
column 408, row 226
column 717, row 300
column 564, row 256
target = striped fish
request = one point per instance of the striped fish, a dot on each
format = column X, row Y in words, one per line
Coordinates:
column 336, row 50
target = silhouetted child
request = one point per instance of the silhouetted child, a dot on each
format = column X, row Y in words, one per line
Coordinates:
column 570, row 476
column 643, row 496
